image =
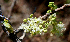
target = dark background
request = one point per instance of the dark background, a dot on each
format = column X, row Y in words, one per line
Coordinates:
column 23, row 8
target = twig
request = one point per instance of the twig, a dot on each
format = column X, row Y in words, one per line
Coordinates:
column 12, row 5
column 13, row 35
column 22, row 36
column 58, row 9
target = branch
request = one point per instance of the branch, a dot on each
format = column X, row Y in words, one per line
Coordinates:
column 12, row 35
column 22, row 36
column 9, row 13
column 12, row 5
column 54, row 11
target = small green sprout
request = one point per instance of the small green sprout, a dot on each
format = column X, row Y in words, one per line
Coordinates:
column 25, row 20
column 28, row 18
column 40, row 26
column 49, row 11
column 31, row 15
column 44, row 22
column 51, row 2
column 45, row 31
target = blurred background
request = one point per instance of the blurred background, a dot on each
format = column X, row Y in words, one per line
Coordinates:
column 17, row 10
